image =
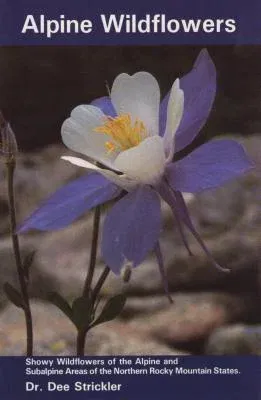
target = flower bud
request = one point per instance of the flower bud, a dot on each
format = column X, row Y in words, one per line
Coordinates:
column 126, row 272
column 8, row 143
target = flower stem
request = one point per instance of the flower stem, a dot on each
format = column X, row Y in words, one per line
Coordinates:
column 100, row 282
column 89, row 278
column 93, row 256
column 82, row 333
column 18, row 260
column 81, row 336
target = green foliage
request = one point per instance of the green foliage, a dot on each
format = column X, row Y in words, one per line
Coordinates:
column 111, row 310
column 27, row 263
column 13, row 295
column 61, row 303
column 82, row 312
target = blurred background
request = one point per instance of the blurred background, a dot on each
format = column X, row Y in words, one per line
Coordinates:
column 213, row 312
column 40, row 85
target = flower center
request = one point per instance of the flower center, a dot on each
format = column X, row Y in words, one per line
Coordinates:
column 123, row 132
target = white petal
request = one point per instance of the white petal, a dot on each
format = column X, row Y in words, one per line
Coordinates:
column 78, row 133
column 139, row 96
column 121, row 180
column 174, row 115
column 145, row 162
column 80, row 163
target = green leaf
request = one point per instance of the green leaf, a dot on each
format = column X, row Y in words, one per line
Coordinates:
column 27, row 262
column 13, row 295
column 61, row 303
column 111, row 310
column 82, row 312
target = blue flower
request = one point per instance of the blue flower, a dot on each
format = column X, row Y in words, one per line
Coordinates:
column 133, row 138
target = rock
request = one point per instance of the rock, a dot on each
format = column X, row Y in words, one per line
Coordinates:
column 36, row 177
column 40, row 282
column 125, row 339
column 64, row 255
column 144, row 305
column 235, row 340
column 193, row 316
column 7, row 268
column 55, row 335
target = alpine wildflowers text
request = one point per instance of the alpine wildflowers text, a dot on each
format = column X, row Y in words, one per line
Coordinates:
column 126, row 23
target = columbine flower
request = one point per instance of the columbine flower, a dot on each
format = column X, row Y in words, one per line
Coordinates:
column 133, row 138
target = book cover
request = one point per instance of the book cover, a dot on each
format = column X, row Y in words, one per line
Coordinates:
column 130, row 175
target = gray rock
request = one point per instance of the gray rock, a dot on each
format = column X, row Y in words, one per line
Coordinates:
column 193, row 316
column 37, row 175
column 235, row 340
column 64, row 255
column 55, row 335
column 144, row 305
column 40, row 282
column 126, row 339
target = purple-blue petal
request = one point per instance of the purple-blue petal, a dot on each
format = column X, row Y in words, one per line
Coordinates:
column 209, row 166
column 177, row 204
column 199, row 88
column 167, row 195
column 162, row 271
column 180, row 204
column 70, row 202
column 131, row 229
column 105, row 104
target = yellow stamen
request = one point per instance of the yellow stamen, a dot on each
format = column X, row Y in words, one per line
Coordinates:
column 123, row 132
